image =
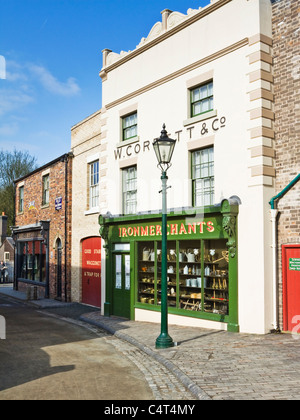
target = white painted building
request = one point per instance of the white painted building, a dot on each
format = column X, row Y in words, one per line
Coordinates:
column 207, row 75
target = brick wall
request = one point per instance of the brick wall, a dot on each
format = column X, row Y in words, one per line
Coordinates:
column 286, row 50
column 60, row 220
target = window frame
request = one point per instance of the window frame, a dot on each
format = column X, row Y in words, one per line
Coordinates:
column 94, row 191
column 45, row 190
column 129, row 127
column 210, row 177
column 127, row 202
column 200, row 101
column 21, row 199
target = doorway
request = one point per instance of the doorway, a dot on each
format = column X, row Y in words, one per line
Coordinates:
column 121, row 285
column 91, row 271
column 291, row 287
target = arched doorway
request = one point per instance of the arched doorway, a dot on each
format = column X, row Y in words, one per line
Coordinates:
column 58, row 274
column 91, row 271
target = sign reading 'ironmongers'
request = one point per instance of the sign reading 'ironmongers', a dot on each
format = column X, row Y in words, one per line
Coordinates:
column 172, row 229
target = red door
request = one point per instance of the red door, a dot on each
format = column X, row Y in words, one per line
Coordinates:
column 291, row 287
column 91, row 271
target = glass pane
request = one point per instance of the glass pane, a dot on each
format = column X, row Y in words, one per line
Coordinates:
column 216, row 277
column 195, row 95
column 203, row 92
column 146, row 273
column 197, row 109
column 205, row 105
column 118, row 265
column 190, row 282
column 127, row 272
column 122, row 247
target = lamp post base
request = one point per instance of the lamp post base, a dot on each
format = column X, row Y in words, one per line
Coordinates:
column 164, row 341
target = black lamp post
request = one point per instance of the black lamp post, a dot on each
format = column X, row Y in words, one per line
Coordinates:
column 164, row 148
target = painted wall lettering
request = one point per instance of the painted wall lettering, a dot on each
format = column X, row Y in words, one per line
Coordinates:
column 172, row 229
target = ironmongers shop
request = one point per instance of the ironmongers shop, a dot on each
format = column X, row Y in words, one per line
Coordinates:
column 201, row 266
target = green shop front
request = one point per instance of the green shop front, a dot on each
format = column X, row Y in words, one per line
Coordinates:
column 201, row 264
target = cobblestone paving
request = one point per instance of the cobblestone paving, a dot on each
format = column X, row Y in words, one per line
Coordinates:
column 225, row 366
column 164, row 385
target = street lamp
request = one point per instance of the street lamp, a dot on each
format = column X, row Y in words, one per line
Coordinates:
column 164, row 148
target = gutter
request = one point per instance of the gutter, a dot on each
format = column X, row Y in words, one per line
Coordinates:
column 274, row 212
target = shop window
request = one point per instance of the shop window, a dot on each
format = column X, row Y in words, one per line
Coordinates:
column 45, row 197
column 94, row 184
column 129, row 126
column 129, row 190
column 31, row 261
column 203, row 177
column 197, row 275
column 202, row 99
column 21, row 199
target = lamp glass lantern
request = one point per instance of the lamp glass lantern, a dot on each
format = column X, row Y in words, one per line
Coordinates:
column 164, row 148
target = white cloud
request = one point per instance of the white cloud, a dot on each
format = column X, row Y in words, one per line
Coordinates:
column 11, row 99
column 49, row 82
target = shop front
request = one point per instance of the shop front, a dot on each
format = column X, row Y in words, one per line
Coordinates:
column 32, row 257
column 201, row 264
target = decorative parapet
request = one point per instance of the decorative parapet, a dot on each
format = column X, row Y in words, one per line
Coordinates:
column 170, row 20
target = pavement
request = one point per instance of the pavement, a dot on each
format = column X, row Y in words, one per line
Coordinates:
column 210, row 364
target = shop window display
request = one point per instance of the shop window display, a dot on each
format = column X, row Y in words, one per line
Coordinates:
column 197, row 274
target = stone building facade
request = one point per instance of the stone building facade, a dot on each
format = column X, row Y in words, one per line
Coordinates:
column 286, row 55
column 43, row 229
column 87, row 145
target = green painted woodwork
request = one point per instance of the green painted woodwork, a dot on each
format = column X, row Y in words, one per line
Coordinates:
column 213, row 222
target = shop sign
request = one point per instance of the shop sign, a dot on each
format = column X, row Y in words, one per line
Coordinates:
column 173, row 229
column 294, row 264
column 205, row 128
column 58, row 203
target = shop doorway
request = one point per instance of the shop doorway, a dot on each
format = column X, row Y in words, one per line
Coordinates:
column 91, row 271
column 121, row 285
column 58, row 251
column 291, row 287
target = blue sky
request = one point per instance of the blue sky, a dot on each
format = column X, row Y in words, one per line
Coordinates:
column 53, row 55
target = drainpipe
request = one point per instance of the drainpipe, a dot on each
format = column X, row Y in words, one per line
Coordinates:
column 274, row 213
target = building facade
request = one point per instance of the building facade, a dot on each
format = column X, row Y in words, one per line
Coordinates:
column 286, row 53
column 88, row 167
column 214, row 91
column 43, row 230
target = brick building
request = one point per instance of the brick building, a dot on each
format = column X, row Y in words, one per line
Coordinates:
column 286, row 55
column 43, row 229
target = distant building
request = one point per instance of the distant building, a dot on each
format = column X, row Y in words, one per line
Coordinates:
column 7, row 249
column 43, row 229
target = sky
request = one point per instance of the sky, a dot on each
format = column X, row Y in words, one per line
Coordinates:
column 50, row 59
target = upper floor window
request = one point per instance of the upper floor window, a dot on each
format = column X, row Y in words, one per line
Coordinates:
column 129, row 126
column 203, row 177
column 94, row 184
column 129, row 190
column 202, row 99
column 21, row 199
column 45, row 197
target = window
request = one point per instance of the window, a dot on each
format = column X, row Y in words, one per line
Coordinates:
column 129, row 126
column 45, row 199
column 202, row 99
column 129, row 190
column 21, row 199
column 94, row 184
column 203, row 177
column 31, row 261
